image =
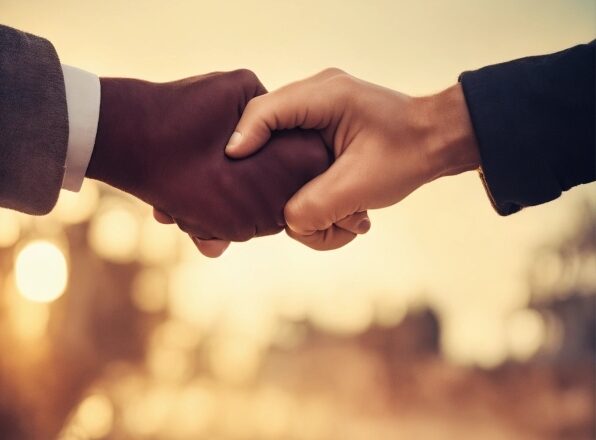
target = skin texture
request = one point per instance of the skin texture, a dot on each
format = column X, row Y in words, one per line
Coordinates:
column 164, row 143
column 386, row 145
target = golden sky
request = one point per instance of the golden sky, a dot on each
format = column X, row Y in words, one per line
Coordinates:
column 444, row 244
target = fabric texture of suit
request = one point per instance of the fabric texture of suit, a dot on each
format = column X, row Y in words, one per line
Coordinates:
column 534, row 122
column 33, row 123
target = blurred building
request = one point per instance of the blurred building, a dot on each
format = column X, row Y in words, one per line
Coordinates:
column 571, row 328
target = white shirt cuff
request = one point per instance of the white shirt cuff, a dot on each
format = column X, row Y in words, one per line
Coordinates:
column 83, row 94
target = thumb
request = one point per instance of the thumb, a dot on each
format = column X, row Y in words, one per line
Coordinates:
column 314, row 214
column 282, row 109
column 253, row 130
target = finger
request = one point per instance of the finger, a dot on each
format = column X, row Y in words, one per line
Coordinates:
column 335, row 236
column 162, row 217
column 325, row 200
column 210, row 248
column 307, row 104
column 282, row 109
column 358, row 223
column 332, row 238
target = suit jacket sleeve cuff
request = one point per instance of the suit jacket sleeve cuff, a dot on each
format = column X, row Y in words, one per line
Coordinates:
column 534, row 122
column 83, row 96
column 33, row 123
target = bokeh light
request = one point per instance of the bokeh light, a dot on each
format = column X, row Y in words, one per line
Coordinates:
column 344, row 312
column 485, row 345
column 149, row 290
column 168, row 364
column 9, row 228
column 28, row 319
column 389, row 309
column 234, row 360
column 189, row 302
column 74, row 207
column 272, row 409
column 158, row 243
column 525, row 332
column 177, row 334
column 192, row 413
column 114, row 234
column 95, row 416
column 41, row 271
column 147, row 412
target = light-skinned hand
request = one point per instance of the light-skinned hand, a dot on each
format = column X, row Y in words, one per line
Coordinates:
column 386, row 144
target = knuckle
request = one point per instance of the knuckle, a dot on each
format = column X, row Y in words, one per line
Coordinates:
column 245, row 75
column 342, row 83
column 311, row 203
column 343, row 89
column 292, row 212
column 241, row 233
column 250, row 82
column 194, row 230
column 332, row 71
column 336, row 82
column 183, row 226
column 295, row 213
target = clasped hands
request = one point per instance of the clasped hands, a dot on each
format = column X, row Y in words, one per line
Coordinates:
column 226, row 161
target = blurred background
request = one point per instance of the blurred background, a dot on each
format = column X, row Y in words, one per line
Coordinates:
column 446, row 321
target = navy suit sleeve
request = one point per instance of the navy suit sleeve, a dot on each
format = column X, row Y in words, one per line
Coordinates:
column 534, row 122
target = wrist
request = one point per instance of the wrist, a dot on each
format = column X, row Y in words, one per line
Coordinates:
column 120, row 134
column 450, row 141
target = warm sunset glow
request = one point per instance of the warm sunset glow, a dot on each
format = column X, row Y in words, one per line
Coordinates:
column 147, row 412
column 525, row 332
column 28, row 319
column 273, row 412
column 77, row 207
column 95, row 416
column 149, row 290
column 114, row 234
column 41, row 271
column 168, row 364
column 446, row 320
column 343, row 312
column 193, row 411
column 158, row 243
column 234, row 360
column 9, row 228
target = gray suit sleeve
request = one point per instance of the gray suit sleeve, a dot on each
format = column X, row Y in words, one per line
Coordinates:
column 33, row 123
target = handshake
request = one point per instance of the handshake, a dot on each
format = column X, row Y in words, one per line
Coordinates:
column 226, row 161
column 164, row 143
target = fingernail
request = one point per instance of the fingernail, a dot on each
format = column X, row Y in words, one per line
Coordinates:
column 234, row 140
column 363, row 226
